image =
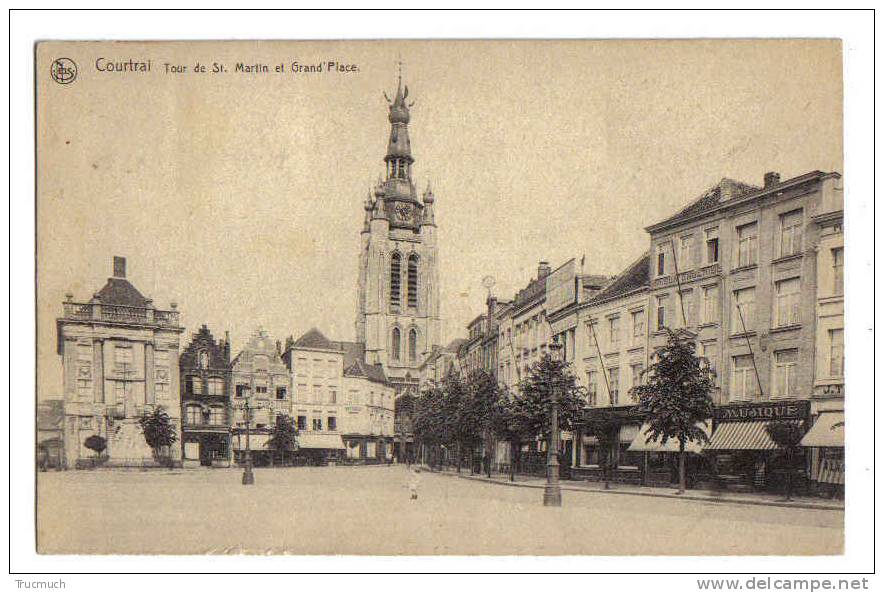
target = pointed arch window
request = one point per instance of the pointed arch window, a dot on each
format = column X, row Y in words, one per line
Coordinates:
column 412, row 280
column 396, row 280
column 396, row 344
column 412, row 345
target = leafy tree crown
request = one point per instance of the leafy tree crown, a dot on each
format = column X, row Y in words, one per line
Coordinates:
column 675, row 397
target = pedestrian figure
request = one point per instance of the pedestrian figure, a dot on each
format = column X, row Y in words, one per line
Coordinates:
column 413, row 479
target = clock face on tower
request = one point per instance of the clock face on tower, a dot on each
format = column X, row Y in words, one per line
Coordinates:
column 404, row 212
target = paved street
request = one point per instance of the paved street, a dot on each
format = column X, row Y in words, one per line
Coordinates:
column 366, row 510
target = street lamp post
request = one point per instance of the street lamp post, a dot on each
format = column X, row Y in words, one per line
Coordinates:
column 552, row 492
column 248, row 478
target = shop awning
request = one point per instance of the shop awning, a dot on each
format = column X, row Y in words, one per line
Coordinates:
column 640, row 442
column 319, row 440
column 257, row 442
column 827, row 431
column 628, row 432
column 747, row 436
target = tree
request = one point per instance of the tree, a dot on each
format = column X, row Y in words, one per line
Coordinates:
column 159, row 432
column 787, row 436
column 456, row 426
column 283, row 436
column 604, row 425
column 534, row 405
column 507, row 424
column 96, row 443
column 404, row 409
column 429, row 429
column 675, row 398
column 478, row 408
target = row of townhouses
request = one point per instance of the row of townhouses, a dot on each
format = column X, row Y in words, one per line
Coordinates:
column 121, row 356
column 756, row 274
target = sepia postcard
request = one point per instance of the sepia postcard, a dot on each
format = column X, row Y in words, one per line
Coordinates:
column 420, row 298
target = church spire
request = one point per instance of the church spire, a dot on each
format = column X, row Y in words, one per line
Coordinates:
column 398, row 158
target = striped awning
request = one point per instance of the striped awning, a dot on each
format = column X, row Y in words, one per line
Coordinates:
column 750, row 436
column 641, row 443
column 827, row 431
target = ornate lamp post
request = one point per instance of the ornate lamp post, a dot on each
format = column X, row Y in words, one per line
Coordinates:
column 248, row 478
column 552, row 492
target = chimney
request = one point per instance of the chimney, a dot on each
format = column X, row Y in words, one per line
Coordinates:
column 119, row 267
column 771, row 178
column 543, row 270
column 227, row 346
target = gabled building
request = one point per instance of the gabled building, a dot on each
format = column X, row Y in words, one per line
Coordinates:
column 343, row 406
column 120, row 359
column 206, row 400
column 261, row 381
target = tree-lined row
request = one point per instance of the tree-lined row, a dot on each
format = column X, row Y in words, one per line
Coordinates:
column 454, row 419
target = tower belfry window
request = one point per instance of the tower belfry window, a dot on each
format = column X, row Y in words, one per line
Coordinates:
column 412, row 345
column 396, row 345
column 412, row 281
column 395, row 280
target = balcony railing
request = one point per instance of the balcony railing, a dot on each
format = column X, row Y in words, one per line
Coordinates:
column 120, row 314
column 688, row 276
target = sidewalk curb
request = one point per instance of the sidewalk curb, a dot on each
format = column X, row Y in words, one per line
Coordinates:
column 690, row 497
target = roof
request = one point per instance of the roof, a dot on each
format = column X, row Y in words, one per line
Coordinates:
column 726, row 189
column 595, row 280
column 534, row 291
column 636, row 276
column 314, row 339
column 119, row 291
column 353, row 352
column 372, row 372
column 455, row 344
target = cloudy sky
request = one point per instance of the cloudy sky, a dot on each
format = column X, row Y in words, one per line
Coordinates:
column 239, row 196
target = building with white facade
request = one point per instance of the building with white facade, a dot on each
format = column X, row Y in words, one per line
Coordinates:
column 343, row 406
column 120, row 359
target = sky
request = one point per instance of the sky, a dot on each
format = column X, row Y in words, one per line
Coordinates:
column 239, row 195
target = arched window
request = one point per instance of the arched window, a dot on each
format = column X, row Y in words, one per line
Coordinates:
column 412, row 345
column 395, row 280
column 396, row 344
column 412, row 280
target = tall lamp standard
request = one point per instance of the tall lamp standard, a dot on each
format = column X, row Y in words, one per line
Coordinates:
column 248, row 478
column 552, row 492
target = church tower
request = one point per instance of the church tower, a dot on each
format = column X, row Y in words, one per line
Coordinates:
column 398, row 318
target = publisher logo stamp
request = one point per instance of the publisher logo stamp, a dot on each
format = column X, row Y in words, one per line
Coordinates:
column 63, row 71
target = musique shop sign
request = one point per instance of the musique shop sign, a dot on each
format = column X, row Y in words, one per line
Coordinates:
column 793, row 410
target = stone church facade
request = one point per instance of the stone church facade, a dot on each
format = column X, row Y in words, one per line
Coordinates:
column 398, row 318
